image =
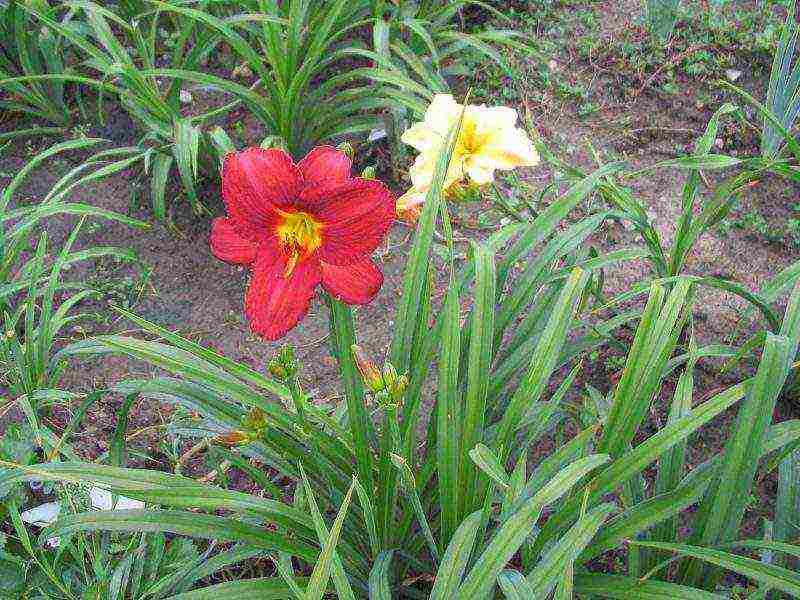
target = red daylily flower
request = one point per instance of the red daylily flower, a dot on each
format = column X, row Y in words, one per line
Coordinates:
column 299, row 225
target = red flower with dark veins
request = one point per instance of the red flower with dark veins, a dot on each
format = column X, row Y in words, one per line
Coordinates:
column 298, row 226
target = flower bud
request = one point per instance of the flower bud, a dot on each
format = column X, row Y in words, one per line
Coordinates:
column 283, row 366
column 463, row 191
column 232, row 438
column 401, row 385
column 242, row 71
column 410, row 215
column 389, row 375
column 277, row 370
column 274, row 141
column 254, row 426
column 370, row 373
column 301, row 431
column 397, row 389
column 369, row 173
column 255, row 423
column 348, row 149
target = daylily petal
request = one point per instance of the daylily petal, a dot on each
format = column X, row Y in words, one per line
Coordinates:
column 357, row 283
column 422, row 137
column 354, row 217
column 494, row 118
column 480, row 169
column 440, row 117
column 228, row 245
column 325, row 165
column 423, row 170
column 284, row 219
column 442, row 113
column 510, row 149
column 275, row 303
column 255, row 182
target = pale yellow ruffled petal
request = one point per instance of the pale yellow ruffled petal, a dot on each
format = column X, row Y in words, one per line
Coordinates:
column 480, row 169
column 509, row 149
column 495, row 118
column 430, row 134
column 442, row 113
column 423, row 170
column 489, row 140
column 421, row 137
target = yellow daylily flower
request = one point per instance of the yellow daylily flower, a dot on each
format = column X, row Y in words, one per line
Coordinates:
column 489, row 140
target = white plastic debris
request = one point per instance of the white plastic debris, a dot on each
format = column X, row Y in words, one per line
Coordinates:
column 101, row 500
column 42, row 515
column 376, row 134
column 186, row 97
column 47, row 513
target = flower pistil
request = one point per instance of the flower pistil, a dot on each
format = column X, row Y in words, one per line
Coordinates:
column 300, row 236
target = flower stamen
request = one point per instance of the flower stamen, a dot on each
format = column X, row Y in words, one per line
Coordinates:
column 300, row 235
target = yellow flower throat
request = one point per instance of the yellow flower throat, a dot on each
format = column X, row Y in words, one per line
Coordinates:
column 299, row 235
column 469, row 142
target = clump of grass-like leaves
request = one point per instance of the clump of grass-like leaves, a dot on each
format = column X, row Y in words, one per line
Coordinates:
column 377, row 512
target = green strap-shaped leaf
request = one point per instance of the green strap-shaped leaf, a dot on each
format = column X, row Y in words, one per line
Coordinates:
column 328, row 560
column 513, row 532
column 479, row 361
column 719, row 515
column 162, row 163
column 343, row 336
column 488, row 462
column 653, row 344
column 617, row 587
column 543, row 359
column 558, row 559
column 184, row 523
column 769, row 575
column 636, row 460
column 268, row 588
column 454, row 561
column 449, row 417
column 379, row 586
column 416, row 273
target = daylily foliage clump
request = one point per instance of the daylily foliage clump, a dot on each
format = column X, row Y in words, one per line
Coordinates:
column 478, row 460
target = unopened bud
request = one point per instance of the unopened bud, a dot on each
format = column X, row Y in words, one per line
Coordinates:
column 370, row 373
column 301, row 431
column 389, row 375
column 232, row 438
column 255, row 423
column 401, row 384
column 242, row 71
column 283, row 365
column 397, row 389
column 410, row 215
column 274, row 141
column 369, row 173
column 277, row 370
column 348, row 149
column 462, row 191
